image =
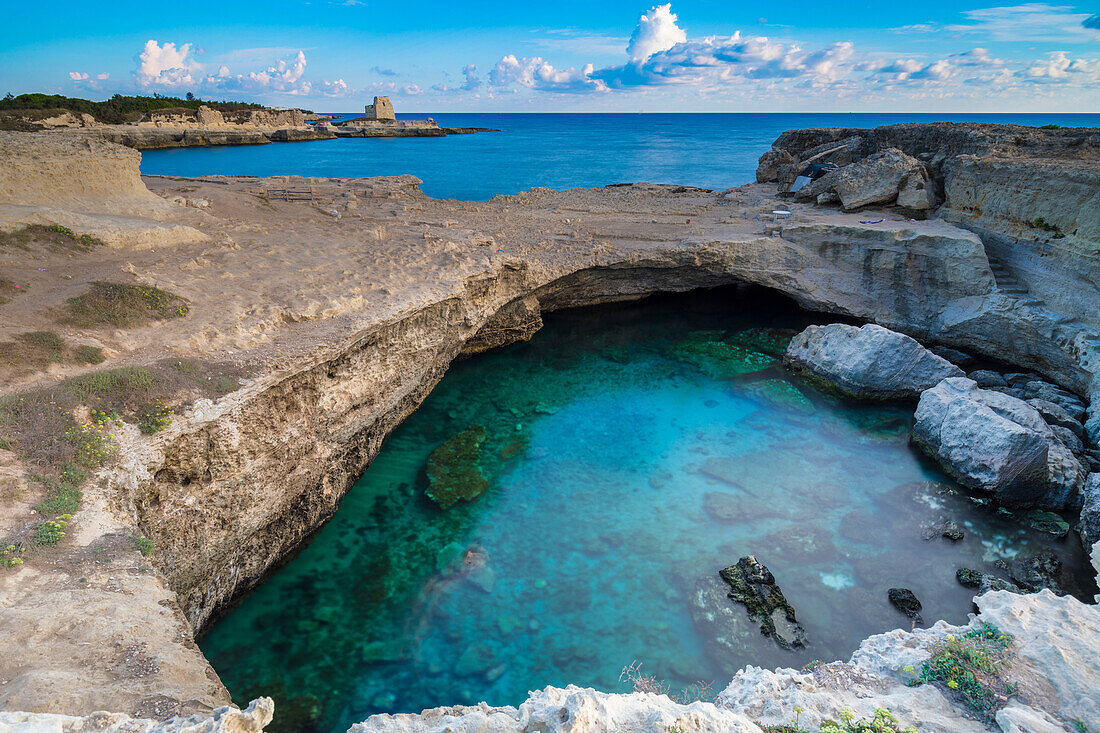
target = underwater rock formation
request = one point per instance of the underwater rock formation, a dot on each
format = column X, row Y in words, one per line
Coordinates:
column 870, row 362
column 453, row 471
column 905, row 601
column 752, row 584
column 997, row 443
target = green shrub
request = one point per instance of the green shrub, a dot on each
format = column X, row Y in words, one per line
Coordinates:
column 122, row 305
column 10, row 556
column 99, row 384
column 225, row 385
column 53, row 235
column 143, row 544
column 62, row 495
column 970, row 665
column 93, row 444
column 51, row 531
column 88, row 355
column 154, row 418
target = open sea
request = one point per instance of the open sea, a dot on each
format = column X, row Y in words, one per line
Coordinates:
column 557, row 151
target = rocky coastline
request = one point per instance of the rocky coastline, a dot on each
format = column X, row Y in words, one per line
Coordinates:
column 204, row 127
column 234, row 484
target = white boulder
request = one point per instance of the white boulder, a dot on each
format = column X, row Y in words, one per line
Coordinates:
column 870, row 362
column 997, row 443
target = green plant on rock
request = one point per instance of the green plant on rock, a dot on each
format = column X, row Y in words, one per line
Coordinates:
column 94, row 445
column 154, row 418
column 883, row 721
column 970, row 665
column 122, row 305
column 88, row 355
column 51, row 531
column 143, row 544
column 10, row 556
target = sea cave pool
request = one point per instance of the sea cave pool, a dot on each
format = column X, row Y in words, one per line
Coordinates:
column 627, row 453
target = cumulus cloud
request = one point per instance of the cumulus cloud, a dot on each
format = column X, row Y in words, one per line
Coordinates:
column 173, row 67
column 656, row 31
column 659, row 53
column 1059, row 66
column 166, row 66
column 536, row 73
column 77, row 75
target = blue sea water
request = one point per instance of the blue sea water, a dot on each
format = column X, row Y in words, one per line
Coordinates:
column 554, row 150
column 631, row 452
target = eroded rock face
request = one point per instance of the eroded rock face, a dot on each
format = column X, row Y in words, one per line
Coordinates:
column 878, row 179
column 228, row 719
column 996, row 443
column 1055, row 683
column 1089, row 526
column 570, row 710
column 870, row 362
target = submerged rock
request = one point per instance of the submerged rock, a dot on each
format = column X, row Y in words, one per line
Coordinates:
column 984, row 582
column 991, row 441
column 905, row 601
column 1048, row 522
column 453, row 471
column 718, row 358
column 870, row 362
column 723, row 625
column 752, row 584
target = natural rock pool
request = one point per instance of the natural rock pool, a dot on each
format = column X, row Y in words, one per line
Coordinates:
column 630, row 453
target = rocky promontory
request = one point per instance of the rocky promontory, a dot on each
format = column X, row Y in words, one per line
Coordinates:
column 331, row 319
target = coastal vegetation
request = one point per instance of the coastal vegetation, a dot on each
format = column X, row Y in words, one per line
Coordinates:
column 116, row 110
column 971, row 666
column 35, row 350
column 54, row 236
column 122, row 305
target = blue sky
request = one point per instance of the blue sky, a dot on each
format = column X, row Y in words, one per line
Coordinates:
column 616, row 55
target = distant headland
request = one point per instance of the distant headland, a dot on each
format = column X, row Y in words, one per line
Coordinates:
column 156, row 122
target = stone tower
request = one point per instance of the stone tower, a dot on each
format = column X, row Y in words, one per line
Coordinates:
column 382, row 109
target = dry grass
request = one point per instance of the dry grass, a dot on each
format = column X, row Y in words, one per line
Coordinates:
column 35, row 350
column 122, row 306
column 42, row 426
column 8, row 288
column 53, row 236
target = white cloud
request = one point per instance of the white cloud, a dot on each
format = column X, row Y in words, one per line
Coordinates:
column 78, row 75
column 659, row 53
column 166, row 66
column 412, row 90
column 1058, row 66
column 171, row 67
column 535, row 73
column 656, row 31
column 104, row 76
column 1029, row 22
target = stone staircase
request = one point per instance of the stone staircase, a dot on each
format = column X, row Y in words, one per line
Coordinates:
column 1007, row 283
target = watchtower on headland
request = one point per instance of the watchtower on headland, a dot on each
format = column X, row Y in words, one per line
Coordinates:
column 382, row 109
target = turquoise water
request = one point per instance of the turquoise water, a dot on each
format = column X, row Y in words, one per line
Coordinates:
column 556, row 150
column 632, row 451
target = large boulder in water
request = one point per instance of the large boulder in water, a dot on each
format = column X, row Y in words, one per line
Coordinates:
column 879, row 178
column 997, row 443
column 870, row 362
